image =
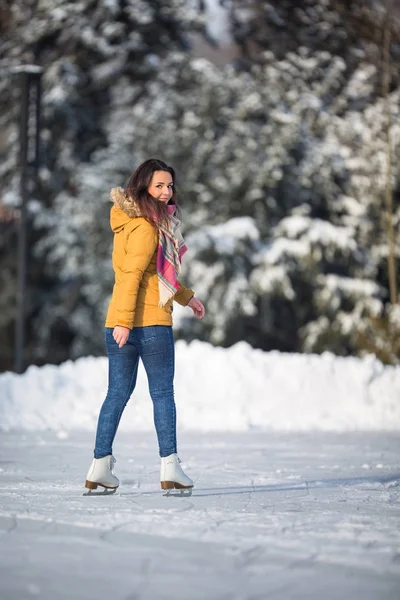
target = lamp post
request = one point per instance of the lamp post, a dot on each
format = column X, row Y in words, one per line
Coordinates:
column 30, row 86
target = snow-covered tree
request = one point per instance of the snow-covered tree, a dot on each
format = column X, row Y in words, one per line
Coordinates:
column 97, row 57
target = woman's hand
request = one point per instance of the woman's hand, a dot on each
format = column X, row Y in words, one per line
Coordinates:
column 197, row 307
column 120, row 335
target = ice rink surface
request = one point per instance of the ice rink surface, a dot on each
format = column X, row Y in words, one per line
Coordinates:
column 273, row 516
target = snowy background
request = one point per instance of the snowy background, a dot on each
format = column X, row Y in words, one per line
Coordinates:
column 278, row 125
column 235, row 389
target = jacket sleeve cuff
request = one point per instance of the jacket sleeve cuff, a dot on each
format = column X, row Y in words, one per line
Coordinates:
column 183, row 295
column 124, row 322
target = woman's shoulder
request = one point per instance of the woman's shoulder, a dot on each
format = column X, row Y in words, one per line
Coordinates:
column 140, row 225
column 140, row 232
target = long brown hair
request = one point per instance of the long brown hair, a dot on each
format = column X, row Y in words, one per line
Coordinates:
column 150, row 208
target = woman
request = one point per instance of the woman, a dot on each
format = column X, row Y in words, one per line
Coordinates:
column 147, row 252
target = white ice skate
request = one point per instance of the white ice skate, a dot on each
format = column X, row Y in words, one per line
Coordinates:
column 172, row 476
column 101, row 474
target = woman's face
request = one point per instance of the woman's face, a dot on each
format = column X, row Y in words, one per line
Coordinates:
column 161, row 186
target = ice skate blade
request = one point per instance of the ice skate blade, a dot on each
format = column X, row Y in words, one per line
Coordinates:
column 176, row 489
column 181, row 493
column 104, row 492
column 92, row 485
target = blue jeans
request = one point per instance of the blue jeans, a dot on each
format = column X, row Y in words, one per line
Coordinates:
column 155, row 346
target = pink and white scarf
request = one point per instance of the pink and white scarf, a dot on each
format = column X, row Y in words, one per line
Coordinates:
column 171, row 248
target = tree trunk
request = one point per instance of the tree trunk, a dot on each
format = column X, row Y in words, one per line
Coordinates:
column 389, row 194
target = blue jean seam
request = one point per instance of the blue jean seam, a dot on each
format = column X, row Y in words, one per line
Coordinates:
column 171, row 364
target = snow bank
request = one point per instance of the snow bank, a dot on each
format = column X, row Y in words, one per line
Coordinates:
column 231, row 389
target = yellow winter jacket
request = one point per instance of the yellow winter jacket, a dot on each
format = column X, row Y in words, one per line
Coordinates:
column 135, row 297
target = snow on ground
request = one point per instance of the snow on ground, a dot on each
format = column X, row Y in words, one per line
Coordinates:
column 296, row 466
column 235, row 389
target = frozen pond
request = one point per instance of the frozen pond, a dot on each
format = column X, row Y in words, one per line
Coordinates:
column 272, row 516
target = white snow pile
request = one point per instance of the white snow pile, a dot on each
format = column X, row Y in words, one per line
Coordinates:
column 232, row 389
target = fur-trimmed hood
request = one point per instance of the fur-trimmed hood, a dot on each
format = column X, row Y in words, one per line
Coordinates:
column 123, row 210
